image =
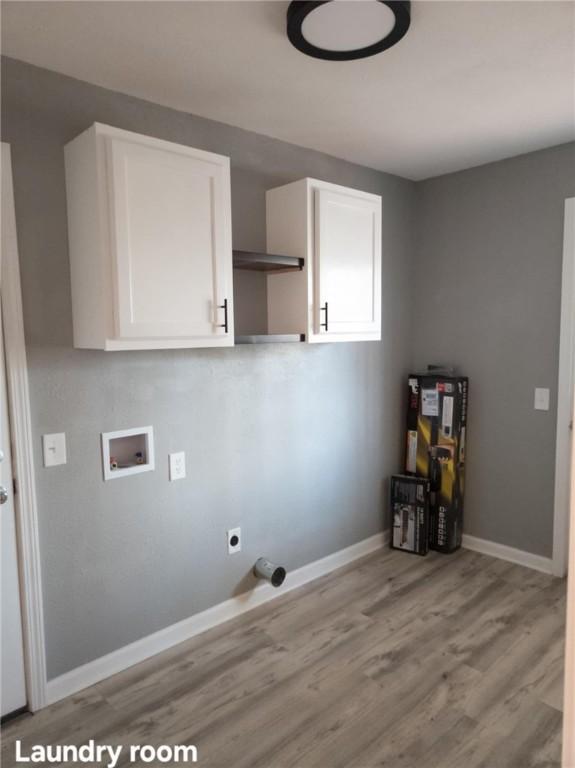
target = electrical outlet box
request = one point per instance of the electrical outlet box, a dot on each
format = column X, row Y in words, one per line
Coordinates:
column 177, row 465
column 234, row 540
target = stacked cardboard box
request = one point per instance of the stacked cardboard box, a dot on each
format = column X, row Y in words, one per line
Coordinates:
column 436, row 427
column 410, row 514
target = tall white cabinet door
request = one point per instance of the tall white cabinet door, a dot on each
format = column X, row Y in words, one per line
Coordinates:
column 171, row 239
column 347, row 269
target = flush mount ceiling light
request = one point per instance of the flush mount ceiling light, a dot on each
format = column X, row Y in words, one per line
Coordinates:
column 341, row 30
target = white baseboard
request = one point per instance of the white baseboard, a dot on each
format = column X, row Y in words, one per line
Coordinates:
column 503, row 552
column 95, row 671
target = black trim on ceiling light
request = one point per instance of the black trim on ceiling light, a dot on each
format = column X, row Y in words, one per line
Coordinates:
column 299, row 9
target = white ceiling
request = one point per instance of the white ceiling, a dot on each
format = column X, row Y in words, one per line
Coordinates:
column 472, row 81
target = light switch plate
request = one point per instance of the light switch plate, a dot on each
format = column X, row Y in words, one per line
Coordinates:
column 177, row 465
column 541, row 399
column 54, row 448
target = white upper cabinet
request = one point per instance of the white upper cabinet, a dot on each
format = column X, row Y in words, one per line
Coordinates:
column 150, row 243
column 347, row 263
column 337, row 296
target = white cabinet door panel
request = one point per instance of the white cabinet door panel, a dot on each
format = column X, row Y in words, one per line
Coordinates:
column 167, row 214
column 347, row 263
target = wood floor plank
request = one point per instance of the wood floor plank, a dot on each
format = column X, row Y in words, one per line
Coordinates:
column 190, row 673
column 522, row 609
column 525, row 668
column 71, row 721
column 407, row 740
column 530, row 737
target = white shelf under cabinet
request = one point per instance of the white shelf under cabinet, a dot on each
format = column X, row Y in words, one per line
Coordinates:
column 150, row 242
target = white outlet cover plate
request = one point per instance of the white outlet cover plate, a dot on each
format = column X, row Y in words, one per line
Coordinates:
column 54, row 449
column 238, row 547
column 177, row 465
column 541, row 399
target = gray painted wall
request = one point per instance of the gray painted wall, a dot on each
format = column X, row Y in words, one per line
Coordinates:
column 487, row 297
column 250, row 302
column 293, row 443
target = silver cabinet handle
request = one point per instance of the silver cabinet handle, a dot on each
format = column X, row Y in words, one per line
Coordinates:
column 3, row 495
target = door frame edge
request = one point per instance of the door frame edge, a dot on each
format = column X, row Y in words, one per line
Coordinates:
column 26, row 503
column 564, row 395
column 568, row 745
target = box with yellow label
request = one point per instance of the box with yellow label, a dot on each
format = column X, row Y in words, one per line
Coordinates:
column 436, row 433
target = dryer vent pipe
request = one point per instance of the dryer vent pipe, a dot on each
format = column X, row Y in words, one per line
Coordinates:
column 264, row 569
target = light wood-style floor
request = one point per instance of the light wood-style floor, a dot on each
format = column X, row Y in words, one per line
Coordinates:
column 396, row 661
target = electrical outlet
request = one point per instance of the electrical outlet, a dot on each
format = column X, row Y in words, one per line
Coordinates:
column 234, row 540
column 177, row 466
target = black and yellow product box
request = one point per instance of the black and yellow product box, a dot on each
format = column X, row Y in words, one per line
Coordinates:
column 436, row 433
column 410, row 514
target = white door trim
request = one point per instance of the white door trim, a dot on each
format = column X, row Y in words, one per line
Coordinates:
column 565, row 396
column 568, row 760
column 22, row 449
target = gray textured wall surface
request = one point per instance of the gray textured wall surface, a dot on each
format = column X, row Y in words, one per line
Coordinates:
column 293, row 443
column 250, row 302
column 487, row 297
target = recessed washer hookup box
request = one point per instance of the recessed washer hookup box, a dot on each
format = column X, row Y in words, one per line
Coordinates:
column 436, row 431
column 410, row 514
